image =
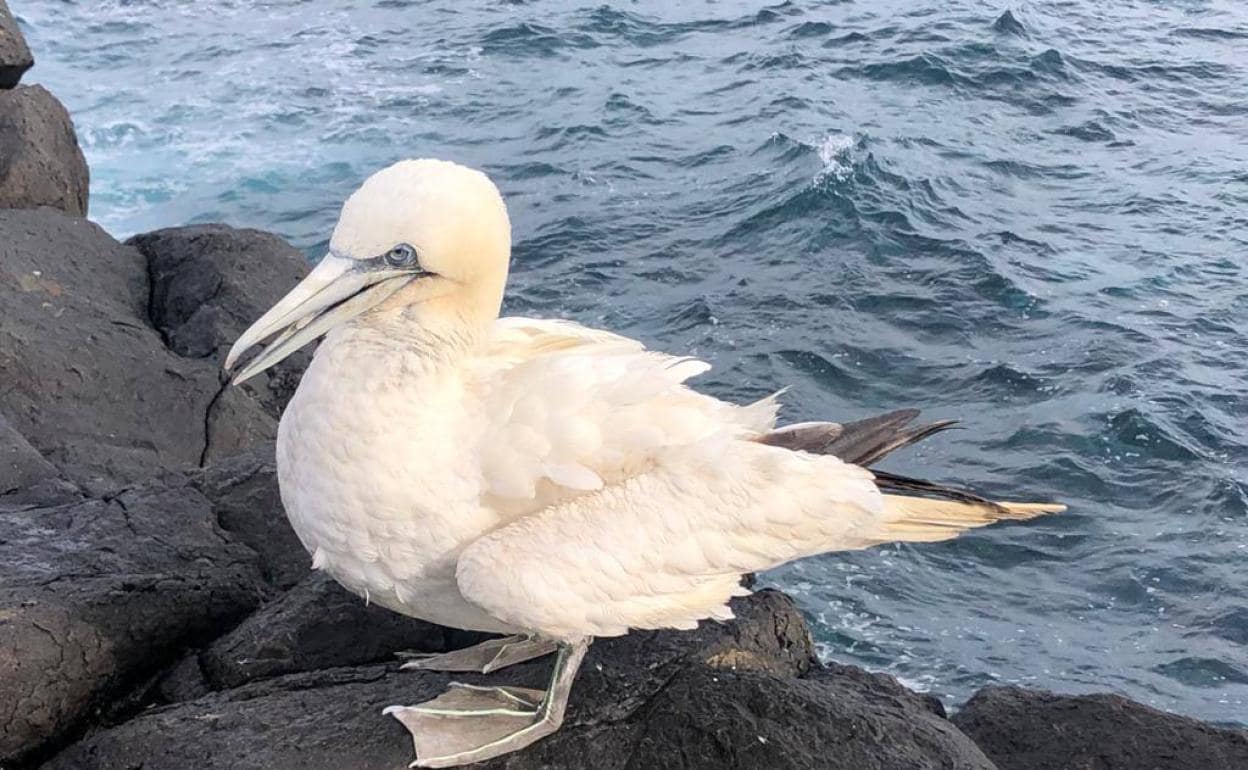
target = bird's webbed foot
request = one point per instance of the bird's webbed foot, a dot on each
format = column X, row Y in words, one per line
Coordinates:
column 470, row 723
column 490, row 655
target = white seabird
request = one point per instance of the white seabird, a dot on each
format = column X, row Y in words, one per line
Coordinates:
column 538, row 478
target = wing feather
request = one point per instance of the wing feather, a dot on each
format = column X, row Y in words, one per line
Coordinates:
column 641, row 502
column 666, row 549
column 571, row 409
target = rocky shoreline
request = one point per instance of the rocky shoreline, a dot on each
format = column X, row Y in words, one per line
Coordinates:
column 156, row 611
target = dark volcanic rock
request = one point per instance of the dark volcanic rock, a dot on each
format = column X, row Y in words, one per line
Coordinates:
column 15, row 56
column 316, row 625
column 87, row 380
column 332, row 719
column 706, row 719
column 97, row 593
column 40, row 161
column 1035, row 730
column 208, row 284
column 26, row 479
column 745, row 694
column 208, row 281
column 244, row 494
column 20, row 464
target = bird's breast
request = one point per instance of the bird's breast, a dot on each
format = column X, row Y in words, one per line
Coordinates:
column 376, row 464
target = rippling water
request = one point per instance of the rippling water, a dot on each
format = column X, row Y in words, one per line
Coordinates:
column 1035, row 222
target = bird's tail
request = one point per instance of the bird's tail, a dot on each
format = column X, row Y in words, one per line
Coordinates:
column 915, row 509
column 926, row 520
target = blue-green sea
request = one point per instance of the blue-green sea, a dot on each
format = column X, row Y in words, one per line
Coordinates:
column 1035, row 221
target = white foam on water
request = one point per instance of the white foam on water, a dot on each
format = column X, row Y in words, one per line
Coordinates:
column 834, row 152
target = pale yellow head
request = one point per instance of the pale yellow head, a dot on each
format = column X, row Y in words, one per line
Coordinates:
column 453, row 216
column 423, row 242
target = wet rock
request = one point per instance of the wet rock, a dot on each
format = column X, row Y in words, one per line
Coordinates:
column 15, row 56
column 185, row 681
column 708, row 719
column 21, row 465
column 745, row 694
column 88, row 381
column 316, row 625
column 26, row 479
column 1036, row 730
column 332, row 718
column 245, row 497
column 210, row 282
column 95, row 595
column 41, row 163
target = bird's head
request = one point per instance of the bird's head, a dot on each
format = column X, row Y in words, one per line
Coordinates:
column 421, row 242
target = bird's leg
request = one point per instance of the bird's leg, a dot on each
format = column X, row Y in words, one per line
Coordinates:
column 490, row 655
column 468, row 723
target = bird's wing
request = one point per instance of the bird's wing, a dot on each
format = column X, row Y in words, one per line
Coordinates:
column 570, row 410
column 642, row 502
column 666, row 549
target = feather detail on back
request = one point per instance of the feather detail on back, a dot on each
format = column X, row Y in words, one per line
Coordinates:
column 571, row 409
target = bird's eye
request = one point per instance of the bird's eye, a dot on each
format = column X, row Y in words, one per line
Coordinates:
column 402, row 255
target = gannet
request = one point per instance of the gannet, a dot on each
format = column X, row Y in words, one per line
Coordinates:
column 537, row 478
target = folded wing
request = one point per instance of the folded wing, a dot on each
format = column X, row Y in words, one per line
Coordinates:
column 571, row 410
column 667, row 548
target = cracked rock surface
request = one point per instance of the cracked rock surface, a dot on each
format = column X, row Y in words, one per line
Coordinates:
column 244, row 494
column 210, row 282
column 746, row 694
column 315, row 625
column 96, row 593
column 26, row 479
column 89, row 382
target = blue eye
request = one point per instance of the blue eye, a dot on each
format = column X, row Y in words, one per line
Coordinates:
column 403, row 255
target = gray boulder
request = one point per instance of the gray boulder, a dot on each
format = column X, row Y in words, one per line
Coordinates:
column 245, row 498
column 88, row 381
column 316, row 625
column 15, row 56
column 210, row 282
column 20, row 465
column 1036, row 730
column 843, row 718
column 27, row 480
column 95, row 595
column 41, row 163
column 745, row 694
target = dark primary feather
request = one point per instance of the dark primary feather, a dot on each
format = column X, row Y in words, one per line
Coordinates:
column 866, row 442
column 862, row 442
column 892, row 482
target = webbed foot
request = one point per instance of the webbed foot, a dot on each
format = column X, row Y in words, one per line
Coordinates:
column 470, row 723
column 490, row 655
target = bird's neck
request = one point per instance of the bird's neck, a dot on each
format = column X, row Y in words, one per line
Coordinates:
column 438, row 328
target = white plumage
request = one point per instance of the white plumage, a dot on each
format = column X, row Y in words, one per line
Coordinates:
column 529, row 476
column 560, row 479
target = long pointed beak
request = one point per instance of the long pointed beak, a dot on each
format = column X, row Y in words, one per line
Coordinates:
column 336, row 291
